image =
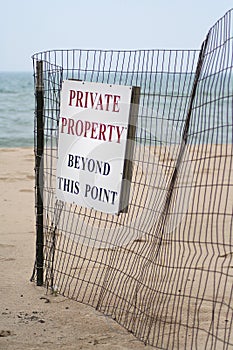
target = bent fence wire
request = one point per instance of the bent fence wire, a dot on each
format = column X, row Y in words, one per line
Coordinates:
column 164, row 269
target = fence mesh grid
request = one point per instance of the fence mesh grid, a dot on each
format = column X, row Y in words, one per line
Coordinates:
column 164, row 269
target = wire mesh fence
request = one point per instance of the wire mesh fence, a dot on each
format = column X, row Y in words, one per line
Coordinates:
column 164, row 268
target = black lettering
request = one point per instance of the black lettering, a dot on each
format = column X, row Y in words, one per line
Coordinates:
column 66, row 185
column 113, row 196
column 76, row 189
column 88, row 188
column 76, row 163
column 70, row 160
column 60, row 179
column 98, row 166
column 83, row 163
column 106, row 194
column 91, row 165
column 94, row 192
column 106, row 170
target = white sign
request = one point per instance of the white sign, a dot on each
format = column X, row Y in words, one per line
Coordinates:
column 93, row 128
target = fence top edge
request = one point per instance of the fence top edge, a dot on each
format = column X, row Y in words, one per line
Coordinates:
column 40, row 53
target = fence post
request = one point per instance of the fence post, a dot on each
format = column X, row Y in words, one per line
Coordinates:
column 39, row 171
column 128, row 164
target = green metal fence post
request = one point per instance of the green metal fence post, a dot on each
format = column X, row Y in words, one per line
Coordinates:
column 39, row 172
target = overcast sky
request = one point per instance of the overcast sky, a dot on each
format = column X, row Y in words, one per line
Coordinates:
column 29, row 26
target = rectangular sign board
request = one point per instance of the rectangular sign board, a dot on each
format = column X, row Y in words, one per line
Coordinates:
column 93, row 128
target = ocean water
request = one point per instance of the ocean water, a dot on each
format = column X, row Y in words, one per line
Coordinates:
column 16, row 109
column 161, row 112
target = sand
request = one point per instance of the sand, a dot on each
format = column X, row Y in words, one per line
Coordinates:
column 30, row 317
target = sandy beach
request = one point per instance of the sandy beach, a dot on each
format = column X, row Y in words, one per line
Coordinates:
column 31, row 318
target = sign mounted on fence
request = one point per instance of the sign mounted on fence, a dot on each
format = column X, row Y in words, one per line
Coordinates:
column 93, row 129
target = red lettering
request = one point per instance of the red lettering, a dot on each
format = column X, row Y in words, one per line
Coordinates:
column 102, row 132
column 78, row 130
column 108, row 97
column 119, row 133
column 86, row 99
column 93, row 99
column 72, row 96
column 87, row 126
column 93, row 130
column 70, row 126
column 63, row 124
column 100, row 103
column 116, row 100
column 111, row 127
column 79, row 99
